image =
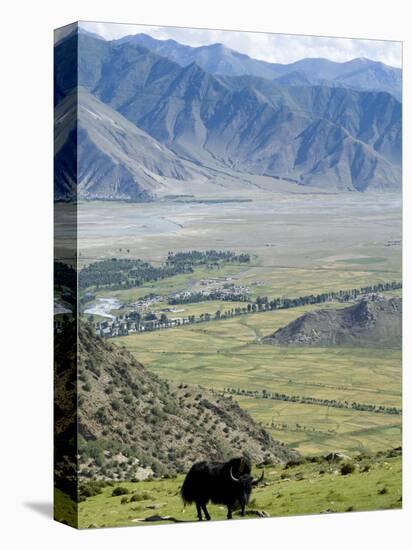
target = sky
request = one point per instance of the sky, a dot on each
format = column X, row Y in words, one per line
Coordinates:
column 276, row 48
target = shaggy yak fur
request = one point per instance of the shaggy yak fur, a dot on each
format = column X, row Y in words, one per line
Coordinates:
column 228, row 483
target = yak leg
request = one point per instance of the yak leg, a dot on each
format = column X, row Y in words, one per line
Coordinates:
column 229, row 512
column 207, row 515
column 242, row 509
column 199, row 511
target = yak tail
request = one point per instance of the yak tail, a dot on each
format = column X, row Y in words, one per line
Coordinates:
column 186, row 493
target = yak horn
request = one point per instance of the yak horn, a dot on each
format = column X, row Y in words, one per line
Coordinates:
column 257, row 481
column 232, row 477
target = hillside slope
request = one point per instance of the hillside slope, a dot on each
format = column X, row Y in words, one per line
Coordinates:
column 373, row 320
column 115, row 159
column 132, row 423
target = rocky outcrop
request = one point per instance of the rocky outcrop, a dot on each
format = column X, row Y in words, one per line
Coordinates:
column 372, row 320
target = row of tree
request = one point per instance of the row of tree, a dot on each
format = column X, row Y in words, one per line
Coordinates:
column 196, row 257
column 264, row 303
column 152, row 321
column 264, row 394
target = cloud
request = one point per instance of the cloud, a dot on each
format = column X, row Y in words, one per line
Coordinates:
column 276, row 48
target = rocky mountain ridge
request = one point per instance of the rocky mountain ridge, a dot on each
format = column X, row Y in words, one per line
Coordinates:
column 196, row 124
column 372, row 320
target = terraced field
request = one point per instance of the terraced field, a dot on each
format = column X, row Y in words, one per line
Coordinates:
column 228, row 353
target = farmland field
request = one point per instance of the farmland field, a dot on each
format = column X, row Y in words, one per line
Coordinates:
column 313, row 399
column 298, row 244
column 228, row 354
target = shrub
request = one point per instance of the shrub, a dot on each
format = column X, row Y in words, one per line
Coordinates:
column 292, row 463
column 90, row 489
column 137, row 497
column 101, row 414
column 82, row 376
column 115, row 404
column 347, row 468
column 94, row 450
column 157, row 412
column 124, row 500
column 118, row 491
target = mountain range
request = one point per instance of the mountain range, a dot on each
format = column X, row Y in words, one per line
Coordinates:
column 145, row 120
column 358, row 74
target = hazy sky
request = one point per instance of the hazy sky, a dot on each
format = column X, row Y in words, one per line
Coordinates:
column 278, row 48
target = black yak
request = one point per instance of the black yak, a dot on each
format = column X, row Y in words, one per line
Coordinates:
column 228, row 483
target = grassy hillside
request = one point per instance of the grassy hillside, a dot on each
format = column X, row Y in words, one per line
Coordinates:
column 133, row 423
column 311, row 487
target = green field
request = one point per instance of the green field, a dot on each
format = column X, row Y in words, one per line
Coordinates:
column 308, row 488
column 292, row 282
column 262, row 281
column 299, row 245
column 228, row 353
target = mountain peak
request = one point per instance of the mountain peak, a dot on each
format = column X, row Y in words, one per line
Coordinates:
column 218, row 46
column 218, row 59
column 245, row 123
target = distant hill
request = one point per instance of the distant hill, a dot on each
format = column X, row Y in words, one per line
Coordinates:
column 333, row 138
column 373, row 320
column 132, row 423
column 218, row 59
